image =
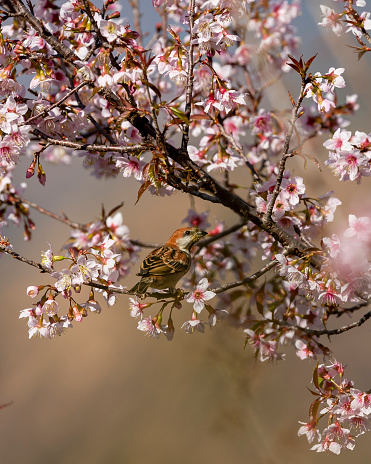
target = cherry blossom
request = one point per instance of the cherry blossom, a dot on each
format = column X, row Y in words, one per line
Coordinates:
column 147, row 326
column 339, row 141
column 331, row 19
column 358, row 227
column 200, row 295
column 194, row 325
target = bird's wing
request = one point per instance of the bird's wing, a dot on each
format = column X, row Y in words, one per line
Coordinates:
column 165, row 260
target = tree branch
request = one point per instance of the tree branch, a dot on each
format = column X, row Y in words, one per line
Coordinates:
column 190, row 78
column 91, row 147
column 246, row 280
column 58, row 103
column 214, row 238
column 232, row 141
column 136, row 16
column 286, row 154
column 40, row 209
column 327, row 332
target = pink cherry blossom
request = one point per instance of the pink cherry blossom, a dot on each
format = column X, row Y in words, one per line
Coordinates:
column 333, row 245
column 32, row 291
column 292, row 188
column 200, row 295
column 194, row 325
column 50, row 307
column 358, row 227
column 331, row 19
column 339, row 141
column 148, row 327
column 310, row 430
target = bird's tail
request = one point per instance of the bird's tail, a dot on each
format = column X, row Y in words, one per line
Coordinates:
column 140, row 288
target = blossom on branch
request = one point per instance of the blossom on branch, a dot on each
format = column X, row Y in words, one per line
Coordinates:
column 200, row 295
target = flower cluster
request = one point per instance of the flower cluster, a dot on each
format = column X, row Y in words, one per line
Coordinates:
column 354, row 21
column 346, row 408
column 321, row 88
column 153, row 327
column 100, row 254
column 349, row 155
column 347, row 269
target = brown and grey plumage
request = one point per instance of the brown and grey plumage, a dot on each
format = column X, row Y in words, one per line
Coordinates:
column 165, row 266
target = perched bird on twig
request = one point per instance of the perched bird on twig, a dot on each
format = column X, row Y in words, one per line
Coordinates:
column 165, row 266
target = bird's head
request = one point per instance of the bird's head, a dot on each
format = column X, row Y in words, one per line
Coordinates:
column 185, row 238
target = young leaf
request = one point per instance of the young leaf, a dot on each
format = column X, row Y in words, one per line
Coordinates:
column 179, row 114
column 142, row 189
column 313, row 410
column 260, row 297
column 152, row 87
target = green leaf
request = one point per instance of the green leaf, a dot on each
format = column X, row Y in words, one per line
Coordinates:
column 179, row 114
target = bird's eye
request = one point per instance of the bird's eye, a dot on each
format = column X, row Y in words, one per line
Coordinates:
column 187, row 232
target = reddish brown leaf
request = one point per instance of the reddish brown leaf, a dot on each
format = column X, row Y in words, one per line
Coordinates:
column 152, row 87
column 313, row 410
column 142, row 189
column 260, row 298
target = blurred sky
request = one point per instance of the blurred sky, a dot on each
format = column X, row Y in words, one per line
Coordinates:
column 104, row 393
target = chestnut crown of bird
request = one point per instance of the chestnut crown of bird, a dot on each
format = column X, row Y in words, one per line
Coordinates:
column 165, row 266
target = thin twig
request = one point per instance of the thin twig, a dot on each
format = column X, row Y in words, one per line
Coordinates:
column 232, row 141
column 75, row 225
column 246, row 280
column 213, row 238
column 9, row 251
column 40, row 209
column 327, row 332
column 58, row 45
column 286, row 154
column 136, row 16
column 190, row 78
column 101, row 38
column 91, row 147
column 58, row 103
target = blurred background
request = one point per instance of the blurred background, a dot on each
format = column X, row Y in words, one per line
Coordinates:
column 104, row 392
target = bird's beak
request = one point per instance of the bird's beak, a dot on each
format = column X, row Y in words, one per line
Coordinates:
column 200, row 234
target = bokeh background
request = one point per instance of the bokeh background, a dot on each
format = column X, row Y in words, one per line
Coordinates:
column 105, row 393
